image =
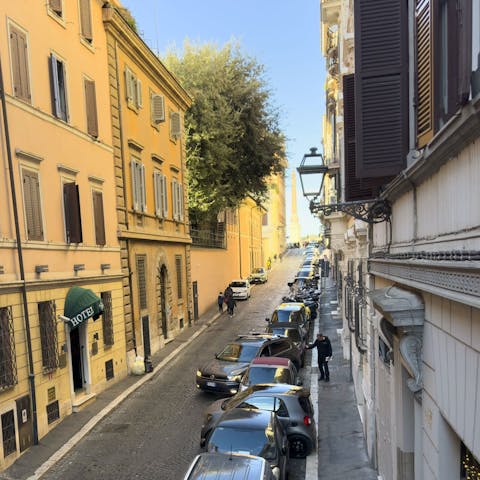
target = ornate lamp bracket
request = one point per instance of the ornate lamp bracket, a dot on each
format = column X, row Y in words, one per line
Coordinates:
column 369, row 211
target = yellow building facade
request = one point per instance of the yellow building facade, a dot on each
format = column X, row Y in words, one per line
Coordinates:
column 58, row 226
column 148, row 105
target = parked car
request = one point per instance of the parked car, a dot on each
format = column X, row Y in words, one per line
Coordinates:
column 295, row 332
column 259, row 275
column 255, row 432
column 219, row 466
column 270, row 370
column 294, row 312
column 224, row 373
column 292, row 405
column 241, row 289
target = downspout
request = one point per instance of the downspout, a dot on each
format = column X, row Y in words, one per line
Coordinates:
column 124, row 186
column 239, row 243
column 31, row 372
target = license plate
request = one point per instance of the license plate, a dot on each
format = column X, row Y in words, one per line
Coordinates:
column 211, row 384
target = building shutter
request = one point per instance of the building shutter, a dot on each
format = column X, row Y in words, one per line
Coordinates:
column 91, row 107
column 165, row 196
column 174, row 200
column 56, row 6
column 54, row 86
column 180, row 202
column 355, row 188
column 135, row 187
column 175, row 125
column 159, row 183
column 73, row 223
column 143, row 193
column 424, row 64
column 178, row 268
column 142, row 281
column 158, row 108
column 99, row 218
column 86, row 20
column 20, row 71
column 381, row 87
column 138, row 86
column 464, row 9
column 128, row 85
column 33, row 209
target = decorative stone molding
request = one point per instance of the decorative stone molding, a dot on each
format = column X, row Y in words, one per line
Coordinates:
column 411, row 350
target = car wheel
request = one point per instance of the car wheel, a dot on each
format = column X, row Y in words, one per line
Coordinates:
column 299, row 446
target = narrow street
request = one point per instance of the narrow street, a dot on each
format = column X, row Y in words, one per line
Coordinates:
column 154, row 434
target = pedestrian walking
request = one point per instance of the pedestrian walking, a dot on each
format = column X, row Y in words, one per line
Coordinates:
column 324, row 349
column 220, row 300
column 231, row 304
column 269, row 263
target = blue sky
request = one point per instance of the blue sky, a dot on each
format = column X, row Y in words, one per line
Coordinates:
column 283, row 35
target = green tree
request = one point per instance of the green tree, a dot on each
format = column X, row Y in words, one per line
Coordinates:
column 233, row 141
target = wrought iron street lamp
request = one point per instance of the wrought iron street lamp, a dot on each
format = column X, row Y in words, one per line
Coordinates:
column 312, row 176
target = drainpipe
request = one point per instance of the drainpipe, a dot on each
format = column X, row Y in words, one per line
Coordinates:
column 31, row 373
column 239, row 243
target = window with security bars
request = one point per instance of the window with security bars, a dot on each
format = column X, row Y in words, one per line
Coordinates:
column 109, row 373
column 178, row 268
column 53, row 412
column 141, row 262
column 107, row 318
column 48, row 335
column 8, row 364
column 8, row 433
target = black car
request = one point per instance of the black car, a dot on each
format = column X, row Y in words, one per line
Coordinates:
column 291, row 404
column 252, row 432
column 224, row 373
column 294, row 332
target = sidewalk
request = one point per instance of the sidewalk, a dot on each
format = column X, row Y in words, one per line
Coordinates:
column 341, row 446
column 39, row 458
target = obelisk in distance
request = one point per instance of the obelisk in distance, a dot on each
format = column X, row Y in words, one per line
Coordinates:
column 294, row 224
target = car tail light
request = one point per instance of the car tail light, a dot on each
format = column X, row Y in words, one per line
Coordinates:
column 307, row 420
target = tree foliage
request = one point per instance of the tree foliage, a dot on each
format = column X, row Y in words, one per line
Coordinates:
column 233, row 141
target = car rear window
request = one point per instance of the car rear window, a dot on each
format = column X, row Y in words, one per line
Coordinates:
column 268, row 375
column 291, row 333
column 238, row 284
column 306, row 405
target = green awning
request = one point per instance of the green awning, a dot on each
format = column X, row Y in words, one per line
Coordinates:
column 80, row 305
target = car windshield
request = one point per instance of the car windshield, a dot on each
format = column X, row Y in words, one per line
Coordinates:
column 291, row 333
column 238, row 284
column 246, row 441
column 268, row 375
column 235, row 352
column 258, row 270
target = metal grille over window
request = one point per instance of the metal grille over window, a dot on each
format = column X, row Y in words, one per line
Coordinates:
column 109, row 373
column 178, row 267
column 53, row 412
column 48, row 335
column 8, row 365
column 107, row 318
column 8, row 433
column 141, row 276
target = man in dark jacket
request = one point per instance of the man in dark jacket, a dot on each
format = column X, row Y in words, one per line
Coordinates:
column 324, row 349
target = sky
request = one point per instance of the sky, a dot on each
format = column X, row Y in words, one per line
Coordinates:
column 282, row 35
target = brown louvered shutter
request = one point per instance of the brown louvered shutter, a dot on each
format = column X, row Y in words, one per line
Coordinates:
column 33, row 208
column 56, row 6
column 21, row 80
column 355, row 188
column 99, row 218
column 91, row 107
column 424, row 71
column 381, row 86
column 86, row 20
column 73, row 223
column 464, row 9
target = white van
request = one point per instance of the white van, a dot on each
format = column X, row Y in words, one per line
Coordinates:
column 220, row 466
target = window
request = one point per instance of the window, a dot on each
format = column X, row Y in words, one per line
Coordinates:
column 98, row 217
column 277, row 348
column 133, row 89
column 178, row 267
column 8, row 433
column 20, row 69
column 71, row 210
column 53, row 412
column 138, row 186
column 91, row 108
column 157, row 107
column 58, row 85
column 175, row 125
column 109, row 373
column 177, row 201
column 161, row 197
column 56, row 7
column 469, row 467
column 48, row 335
column 8, row 365
column 33, row 206
column 86, row 20
column 141, row 262
column 107, row 318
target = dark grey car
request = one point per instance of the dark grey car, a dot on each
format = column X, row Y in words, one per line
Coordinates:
column 224, row 373
column 291, row 404
column 254, row 432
